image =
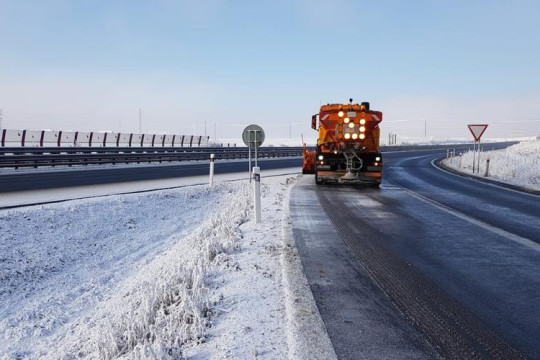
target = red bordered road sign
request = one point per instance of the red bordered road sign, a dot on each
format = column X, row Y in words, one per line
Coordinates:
column 477, row 130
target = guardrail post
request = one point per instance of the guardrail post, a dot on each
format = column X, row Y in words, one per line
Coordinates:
column 487, row 168
column 23, row 138
column 42, row 136
column 3, row 137
column 257, row 194
column 211, row 170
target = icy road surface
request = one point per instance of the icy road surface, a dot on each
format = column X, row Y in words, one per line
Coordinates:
column 168, row 274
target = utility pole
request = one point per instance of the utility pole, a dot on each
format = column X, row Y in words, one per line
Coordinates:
column 425, row 128
column 140, row 121
column 289, row 129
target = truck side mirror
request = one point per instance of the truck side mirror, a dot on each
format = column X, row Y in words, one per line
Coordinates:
column 314, row 122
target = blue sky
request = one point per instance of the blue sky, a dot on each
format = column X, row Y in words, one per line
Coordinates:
column 90, row 65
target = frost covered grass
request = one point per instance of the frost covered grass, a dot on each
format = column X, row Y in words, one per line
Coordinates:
column 167, row 305
column 122, row 275
column 518, row 164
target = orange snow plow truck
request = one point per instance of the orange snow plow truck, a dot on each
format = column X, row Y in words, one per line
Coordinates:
column 347, row 149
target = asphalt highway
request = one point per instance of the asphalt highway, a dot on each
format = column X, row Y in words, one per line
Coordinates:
column 432, row 265
column 30, row 179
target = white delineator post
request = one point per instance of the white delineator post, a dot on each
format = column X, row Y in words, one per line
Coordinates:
column 257, row 194
column 211, row 170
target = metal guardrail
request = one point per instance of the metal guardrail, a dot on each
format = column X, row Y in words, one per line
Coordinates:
column 15, row 157
column 53, row 156
column 485, row 146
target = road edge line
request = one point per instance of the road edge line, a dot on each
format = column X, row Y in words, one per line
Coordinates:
column 508, row 235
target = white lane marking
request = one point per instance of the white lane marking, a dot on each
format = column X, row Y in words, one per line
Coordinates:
column 521, row 240
column 468, row 177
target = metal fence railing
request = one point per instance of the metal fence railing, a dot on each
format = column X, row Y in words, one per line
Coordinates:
column 50, row 138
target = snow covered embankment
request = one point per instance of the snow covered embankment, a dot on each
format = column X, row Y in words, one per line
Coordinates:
column 517, row 165
column 216, row 288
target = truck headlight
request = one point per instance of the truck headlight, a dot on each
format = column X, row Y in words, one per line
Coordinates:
column 378, row 158
column 362, row 121
column 355, row 136
column 347, row 136
column 321, row 157
column 346, row 120
column 362, row 129
column 362, row 136
column 340, row 114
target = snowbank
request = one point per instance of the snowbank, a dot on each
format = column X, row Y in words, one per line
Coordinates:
column 518, row 164
column 169, row 274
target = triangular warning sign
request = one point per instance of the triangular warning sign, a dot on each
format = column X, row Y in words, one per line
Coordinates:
column 477, row 130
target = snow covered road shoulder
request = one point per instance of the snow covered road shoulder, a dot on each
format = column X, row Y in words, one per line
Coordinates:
column 517, row 164
column 170, row 274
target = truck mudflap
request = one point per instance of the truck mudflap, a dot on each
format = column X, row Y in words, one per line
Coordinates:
column 342, row 177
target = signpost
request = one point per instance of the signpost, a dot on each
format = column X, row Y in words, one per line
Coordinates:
column 253, row 135
column 477, row 130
